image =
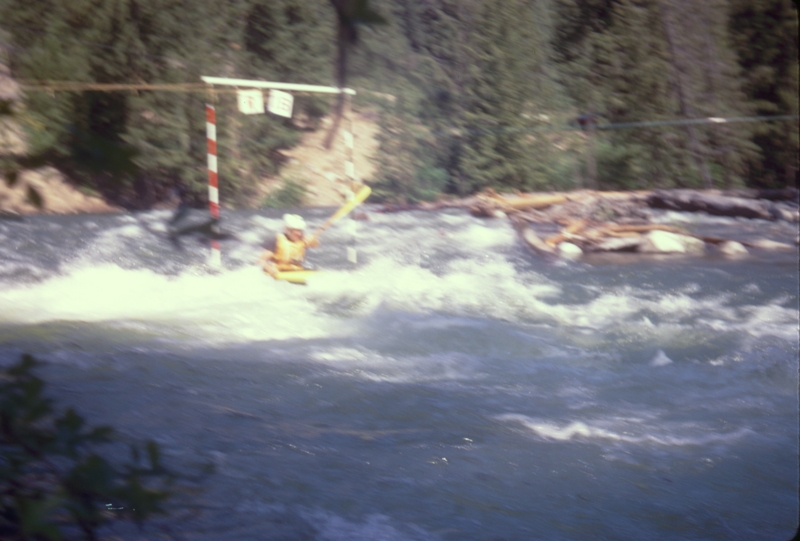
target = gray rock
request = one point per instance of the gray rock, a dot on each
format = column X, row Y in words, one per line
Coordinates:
column 718, row 205
column 766, row 244
column 782, row 211
column 732, row 248
column 619, row 244
column 664, row 242
column 569, row 250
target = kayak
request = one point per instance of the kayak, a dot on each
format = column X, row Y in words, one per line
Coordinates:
column 295, row 277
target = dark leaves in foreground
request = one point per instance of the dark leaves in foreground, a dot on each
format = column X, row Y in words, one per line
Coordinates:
column 53, row 482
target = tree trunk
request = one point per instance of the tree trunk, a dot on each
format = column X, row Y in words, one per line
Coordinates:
column 341, row 81
column 591, row 159
column 694, row 145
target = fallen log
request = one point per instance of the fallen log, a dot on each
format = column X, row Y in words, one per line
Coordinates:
column 718, row 205
column 780, row 194
column 531, row 239
column 580, row 230
column 523, row 202
column 641, row 228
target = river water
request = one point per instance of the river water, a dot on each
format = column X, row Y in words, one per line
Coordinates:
column 448, row 386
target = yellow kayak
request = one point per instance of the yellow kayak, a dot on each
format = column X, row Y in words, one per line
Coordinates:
column 295, row 277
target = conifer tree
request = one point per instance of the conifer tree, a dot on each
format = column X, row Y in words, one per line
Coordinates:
column 764, row 37
column 494, row 153
column 407, row 166
column 654, row 60
column 438, row 36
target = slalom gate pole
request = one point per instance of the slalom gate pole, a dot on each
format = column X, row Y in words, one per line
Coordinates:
column 350, row 173
column 213, row 181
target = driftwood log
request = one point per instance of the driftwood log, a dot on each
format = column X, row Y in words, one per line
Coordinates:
column 595, row 221
column 718, row 205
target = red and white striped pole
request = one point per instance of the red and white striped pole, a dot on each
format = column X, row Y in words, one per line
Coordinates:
column 213, row 184
column 350, row 172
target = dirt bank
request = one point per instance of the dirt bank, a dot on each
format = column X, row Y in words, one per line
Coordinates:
column 321, row 171
column 58, row 195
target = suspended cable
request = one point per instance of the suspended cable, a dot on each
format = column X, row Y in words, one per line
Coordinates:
column 618, row 125
column 77, row 86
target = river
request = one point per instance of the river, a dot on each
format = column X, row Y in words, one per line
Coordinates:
column 449, row 386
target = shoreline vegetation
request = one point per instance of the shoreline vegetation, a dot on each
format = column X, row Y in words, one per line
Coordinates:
column 589, row 220
column 459, row 97
column 580, row 147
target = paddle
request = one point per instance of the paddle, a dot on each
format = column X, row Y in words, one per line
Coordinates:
column 359, row 198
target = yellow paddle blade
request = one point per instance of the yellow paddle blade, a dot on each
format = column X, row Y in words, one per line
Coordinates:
column 359, row 198
column 295, row 277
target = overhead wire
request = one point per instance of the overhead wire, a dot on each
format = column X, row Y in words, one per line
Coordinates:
column 78, row 86
column 616, row 125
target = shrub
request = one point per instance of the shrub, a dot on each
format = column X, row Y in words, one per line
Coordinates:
column 291, row 194
column 53, row 484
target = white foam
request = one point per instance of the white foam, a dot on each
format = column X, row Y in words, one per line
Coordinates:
column 751, row 288
column 235, row 306
column 375, row 527
column 479, row 237
column 660, row 359
column 371, row 366
column 553, row 432
column 584, row 430
column 488, row 286
column 770, row 319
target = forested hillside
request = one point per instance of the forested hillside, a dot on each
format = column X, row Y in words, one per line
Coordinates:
column 512, row 94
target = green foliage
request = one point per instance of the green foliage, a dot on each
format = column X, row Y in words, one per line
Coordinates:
column 499, row 89
column 291, row 194
column 9, row 164
column 764, row 35
column 648, row 60
column 618, row 168
column 470, row 78
column 289, row 40
column 53, row 483
column 407, row 159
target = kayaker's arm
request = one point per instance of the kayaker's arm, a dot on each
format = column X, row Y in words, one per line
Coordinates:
column 267, row 262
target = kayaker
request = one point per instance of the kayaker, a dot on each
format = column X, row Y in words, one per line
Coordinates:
column 289, row 249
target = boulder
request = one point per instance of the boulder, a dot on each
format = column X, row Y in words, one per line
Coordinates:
column 782, row 211
column 664, row 242
column 732, row 248
column 569, row 250
column 767, row 244
column 619, row 244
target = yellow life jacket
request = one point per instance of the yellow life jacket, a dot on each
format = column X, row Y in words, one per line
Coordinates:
column 289, row 255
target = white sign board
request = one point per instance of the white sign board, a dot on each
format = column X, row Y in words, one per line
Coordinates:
column 280, row 103
column 251, row 102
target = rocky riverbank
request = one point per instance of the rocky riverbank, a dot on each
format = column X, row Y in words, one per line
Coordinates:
column 55, row 196
column 319, row 171
column 589, row 221
column 593, row 221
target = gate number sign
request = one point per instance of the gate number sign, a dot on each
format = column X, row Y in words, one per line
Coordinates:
column 251, row 102
column 280, row 103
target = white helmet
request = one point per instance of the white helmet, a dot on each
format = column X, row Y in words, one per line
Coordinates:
column 294, row 221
